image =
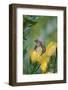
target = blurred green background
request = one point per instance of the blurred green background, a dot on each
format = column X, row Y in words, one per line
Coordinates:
column 43, row 28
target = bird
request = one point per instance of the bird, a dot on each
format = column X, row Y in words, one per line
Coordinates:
column 39, row 47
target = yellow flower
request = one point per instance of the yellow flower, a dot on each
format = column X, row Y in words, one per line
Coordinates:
column 44, row 62
column 50, row 50
column 35, row 56
column 43, row 59
column 43, row 66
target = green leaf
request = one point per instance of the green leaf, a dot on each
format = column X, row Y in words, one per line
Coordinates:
column 35, row 68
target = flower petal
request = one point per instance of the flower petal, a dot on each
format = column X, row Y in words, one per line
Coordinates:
column 50, row 50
